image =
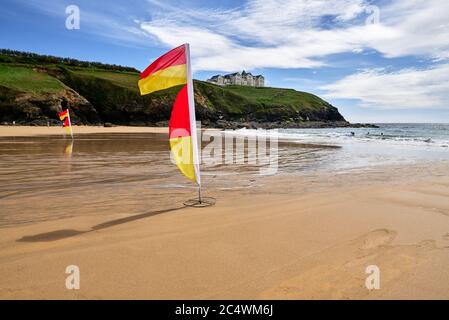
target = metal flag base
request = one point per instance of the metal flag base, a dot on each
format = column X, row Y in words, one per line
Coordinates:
column 197, row 203
column 201, row 202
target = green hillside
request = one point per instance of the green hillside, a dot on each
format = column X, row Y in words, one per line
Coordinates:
column 123, row 79
column 34, row 88
column 274, row 96
column 26, row 79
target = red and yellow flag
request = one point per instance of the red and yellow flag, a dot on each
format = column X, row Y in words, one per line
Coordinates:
column 165, row 72
column 65, row 116
column 173, row 69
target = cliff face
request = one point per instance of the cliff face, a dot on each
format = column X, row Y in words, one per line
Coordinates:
column 31, row 93
column 26, row 107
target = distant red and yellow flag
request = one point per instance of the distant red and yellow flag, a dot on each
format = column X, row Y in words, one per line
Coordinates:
column 165, row 72
column 173, row 69
column 65, row 116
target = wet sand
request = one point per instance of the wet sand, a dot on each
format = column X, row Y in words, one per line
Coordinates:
column 111, row 208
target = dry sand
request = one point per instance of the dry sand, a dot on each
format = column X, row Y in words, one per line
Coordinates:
column 276, row 243
column 21, row 131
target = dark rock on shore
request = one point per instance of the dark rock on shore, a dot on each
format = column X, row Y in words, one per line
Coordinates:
column 288, row 125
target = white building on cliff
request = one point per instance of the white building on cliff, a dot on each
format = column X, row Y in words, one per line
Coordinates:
column 238, row 78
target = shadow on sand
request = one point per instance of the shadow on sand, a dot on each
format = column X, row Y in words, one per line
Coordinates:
column 67, row 233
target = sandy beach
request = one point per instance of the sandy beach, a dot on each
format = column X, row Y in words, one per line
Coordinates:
column 122, row 222
column 23, row 131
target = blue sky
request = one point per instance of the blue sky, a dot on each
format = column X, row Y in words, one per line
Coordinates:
column 377, row 61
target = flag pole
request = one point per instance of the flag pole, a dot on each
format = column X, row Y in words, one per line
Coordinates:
column 70, row 123
column 196, row 160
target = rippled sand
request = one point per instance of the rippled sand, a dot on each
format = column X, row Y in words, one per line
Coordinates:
column 111, row 203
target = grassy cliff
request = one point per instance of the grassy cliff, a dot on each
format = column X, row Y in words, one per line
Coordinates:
column 34, row 88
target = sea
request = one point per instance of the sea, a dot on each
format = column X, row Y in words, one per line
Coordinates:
column 358, row 148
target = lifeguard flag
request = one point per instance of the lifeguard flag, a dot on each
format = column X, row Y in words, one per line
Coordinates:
column 170, row 70
column 65, row 116
column 165, row 72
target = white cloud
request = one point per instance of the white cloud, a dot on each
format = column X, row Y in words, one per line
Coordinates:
column 404, row 89
column 290, row 34
column 263, row 33
column 419, row 27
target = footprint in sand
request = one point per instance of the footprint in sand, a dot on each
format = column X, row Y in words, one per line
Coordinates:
column 375, row 239
column 339, row 272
